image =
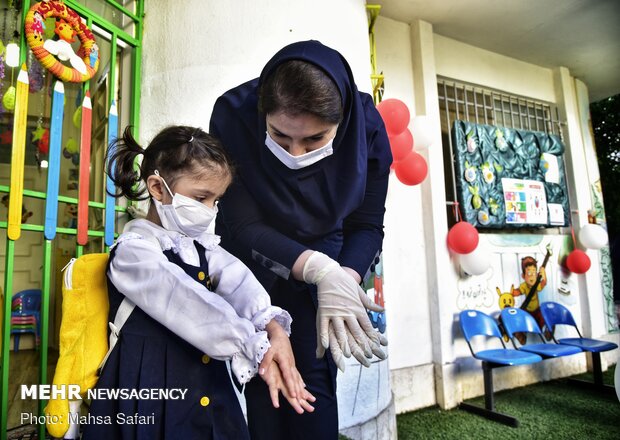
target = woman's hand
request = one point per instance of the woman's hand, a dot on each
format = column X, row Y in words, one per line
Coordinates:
column 342, row 321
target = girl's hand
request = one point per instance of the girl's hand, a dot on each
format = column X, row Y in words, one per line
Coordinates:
column 279, row 372
column 274, row 380
column 282, row 353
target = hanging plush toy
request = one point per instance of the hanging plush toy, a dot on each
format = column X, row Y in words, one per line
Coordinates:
column 25, row 213
column 51, row 53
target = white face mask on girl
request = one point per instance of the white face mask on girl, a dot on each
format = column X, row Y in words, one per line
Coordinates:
column 184, row 215
column 301, row 161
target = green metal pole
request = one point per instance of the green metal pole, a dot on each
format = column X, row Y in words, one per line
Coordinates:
column 22, row 39
column 137, row 72
column 6, row 336
column 45, row 303
column 100, row 21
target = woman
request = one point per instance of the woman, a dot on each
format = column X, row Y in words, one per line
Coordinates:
column 306, row 215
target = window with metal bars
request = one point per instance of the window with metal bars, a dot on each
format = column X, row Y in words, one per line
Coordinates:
column 481, row 105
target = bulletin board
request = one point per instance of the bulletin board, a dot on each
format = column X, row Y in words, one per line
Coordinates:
column 509, row 178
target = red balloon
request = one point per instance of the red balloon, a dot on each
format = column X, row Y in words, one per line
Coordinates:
column 578, row 261
column 412, row 169
column 401, row 145
column 395, row 115
column 463, row 238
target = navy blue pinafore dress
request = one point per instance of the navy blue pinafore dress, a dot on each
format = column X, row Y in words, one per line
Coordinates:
column 148, row 355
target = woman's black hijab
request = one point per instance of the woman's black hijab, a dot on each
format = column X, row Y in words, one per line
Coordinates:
column 309, row 203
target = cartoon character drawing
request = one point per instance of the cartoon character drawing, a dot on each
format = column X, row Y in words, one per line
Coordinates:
column 62, row 48
column 375, row 282
column 93, row 55
column 38, row 26
column 71, row 212
column 530, row 275
column 506, row 299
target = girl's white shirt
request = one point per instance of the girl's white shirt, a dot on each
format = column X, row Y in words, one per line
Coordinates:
column 228, row 324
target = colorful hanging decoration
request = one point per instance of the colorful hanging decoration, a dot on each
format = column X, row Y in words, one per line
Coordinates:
column 53, row 172
column 50, row 52
column 35, row 76
column 43, row 144
column 8, row 100
column 6, row 137
column 84, row 180
column 110, row 188
column 2, row 59
column 18, row 155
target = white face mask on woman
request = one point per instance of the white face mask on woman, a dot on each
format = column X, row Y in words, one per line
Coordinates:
column 184, row 215
column 301, row 161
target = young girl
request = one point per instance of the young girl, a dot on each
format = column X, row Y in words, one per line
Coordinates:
column 195, row 305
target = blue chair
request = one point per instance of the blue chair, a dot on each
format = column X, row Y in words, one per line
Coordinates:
column 519, row 321
column 26, row 306
column 556, row 314
column 475, row 323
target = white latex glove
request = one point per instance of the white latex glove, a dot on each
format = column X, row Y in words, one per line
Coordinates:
column 341, row 320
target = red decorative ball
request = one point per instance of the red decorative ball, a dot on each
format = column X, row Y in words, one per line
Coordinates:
column 395, row 115
column 412, row 169
column 463, row 238
column 401, row 145
column 578, row 261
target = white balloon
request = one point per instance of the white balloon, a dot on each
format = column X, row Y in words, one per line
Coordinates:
column 476, row 262
column 422, row 133
column 593, row 236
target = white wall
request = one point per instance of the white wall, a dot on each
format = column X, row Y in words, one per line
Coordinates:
column 405, row 285
column 194, row 53
column 471, row 64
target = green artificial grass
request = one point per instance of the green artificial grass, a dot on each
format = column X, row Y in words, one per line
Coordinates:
column 549, row 410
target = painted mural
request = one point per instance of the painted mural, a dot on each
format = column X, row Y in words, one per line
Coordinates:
column 364, row 392
column 516, row 262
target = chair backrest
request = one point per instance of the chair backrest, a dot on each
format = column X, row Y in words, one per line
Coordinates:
column 475, row 322
column 554, row 313
column 28, row 300
column 517, row 320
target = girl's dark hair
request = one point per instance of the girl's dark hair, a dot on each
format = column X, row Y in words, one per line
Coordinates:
column 175, row 151
column 298, row 87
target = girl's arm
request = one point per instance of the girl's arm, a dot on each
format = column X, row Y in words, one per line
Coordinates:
column 236, row 284
column 165, row 292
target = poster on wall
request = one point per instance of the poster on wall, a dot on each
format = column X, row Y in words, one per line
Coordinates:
column 509, row 178
column 525, row 201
